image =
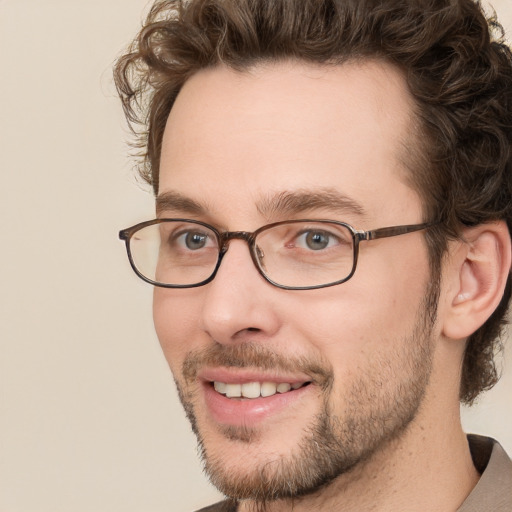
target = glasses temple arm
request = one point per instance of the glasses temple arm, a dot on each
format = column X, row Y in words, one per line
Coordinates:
column 394, row 231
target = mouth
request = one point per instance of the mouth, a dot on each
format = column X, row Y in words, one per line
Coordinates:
column 246, row 397
column 254, row 390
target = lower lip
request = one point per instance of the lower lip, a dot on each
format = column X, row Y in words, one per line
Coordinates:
column 246, row 412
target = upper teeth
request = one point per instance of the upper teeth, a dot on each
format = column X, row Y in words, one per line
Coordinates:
column 254, row 389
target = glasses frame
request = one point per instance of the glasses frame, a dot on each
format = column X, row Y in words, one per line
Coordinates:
column 224, row 237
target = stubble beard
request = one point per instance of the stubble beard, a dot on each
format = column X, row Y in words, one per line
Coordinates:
column 381, row 403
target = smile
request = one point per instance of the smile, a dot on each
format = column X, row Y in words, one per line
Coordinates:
column 255, row 389
column 247, row 397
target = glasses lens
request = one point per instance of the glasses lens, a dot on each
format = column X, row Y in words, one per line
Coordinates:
column 302, row 254
column 175, row 252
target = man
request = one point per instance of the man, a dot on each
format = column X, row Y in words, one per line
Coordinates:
column 332, row 249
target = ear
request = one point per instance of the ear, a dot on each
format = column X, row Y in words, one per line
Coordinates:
column 477, row 271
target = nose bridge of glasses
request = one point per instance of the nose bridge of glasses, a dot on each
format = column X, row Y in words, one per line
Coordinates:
column 227, row 236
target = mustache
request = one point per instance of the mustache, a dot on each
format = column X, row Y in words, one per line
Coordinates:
column 255, row 356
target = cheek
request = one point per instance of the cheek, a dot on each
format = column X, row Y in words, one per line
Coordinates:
column 350, row 323
column 175, row 318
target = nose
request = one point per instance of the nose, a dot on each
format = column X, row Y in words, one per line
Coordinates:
column 239, row 304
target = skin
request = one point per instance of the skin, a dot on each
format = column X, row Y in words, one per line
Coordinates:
column 231, row 141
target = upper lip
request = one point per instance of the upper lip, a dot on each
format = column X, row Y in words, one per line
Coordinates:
column 245, row 375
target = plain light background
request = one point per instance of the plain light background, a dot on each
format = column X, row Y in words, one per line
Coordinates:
column 89, row 419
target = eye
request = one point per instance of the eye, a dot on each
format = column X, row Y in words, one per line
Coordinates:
column 194, row 240
column 316, row 240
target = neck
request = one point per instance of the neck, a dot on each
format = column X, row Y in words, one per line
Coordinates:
column 428, row 468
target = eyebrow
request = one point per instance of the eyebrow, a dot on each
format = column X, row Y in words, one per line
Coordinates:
column 300, row 201
column 177, row 202
column 285, row 203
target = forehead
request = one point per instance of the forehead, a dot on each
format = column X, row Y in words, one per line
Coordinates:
column 232, row 138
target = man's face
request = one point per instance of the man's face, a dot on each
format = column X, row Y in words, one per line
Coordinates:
column 294, row 141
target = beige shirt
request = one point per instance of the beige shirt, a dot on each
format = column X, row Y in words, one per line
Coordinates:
column 492, row 493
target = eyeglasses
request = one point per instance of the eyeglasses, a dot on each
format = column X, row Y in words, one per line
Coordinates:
column 293, row 254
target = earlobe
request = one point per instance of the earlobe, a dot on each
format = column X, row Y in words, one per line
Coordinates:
column 479, row 274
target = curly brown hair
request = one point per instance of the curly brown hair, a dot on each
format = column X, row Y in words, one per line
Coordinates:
column 458, row 68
